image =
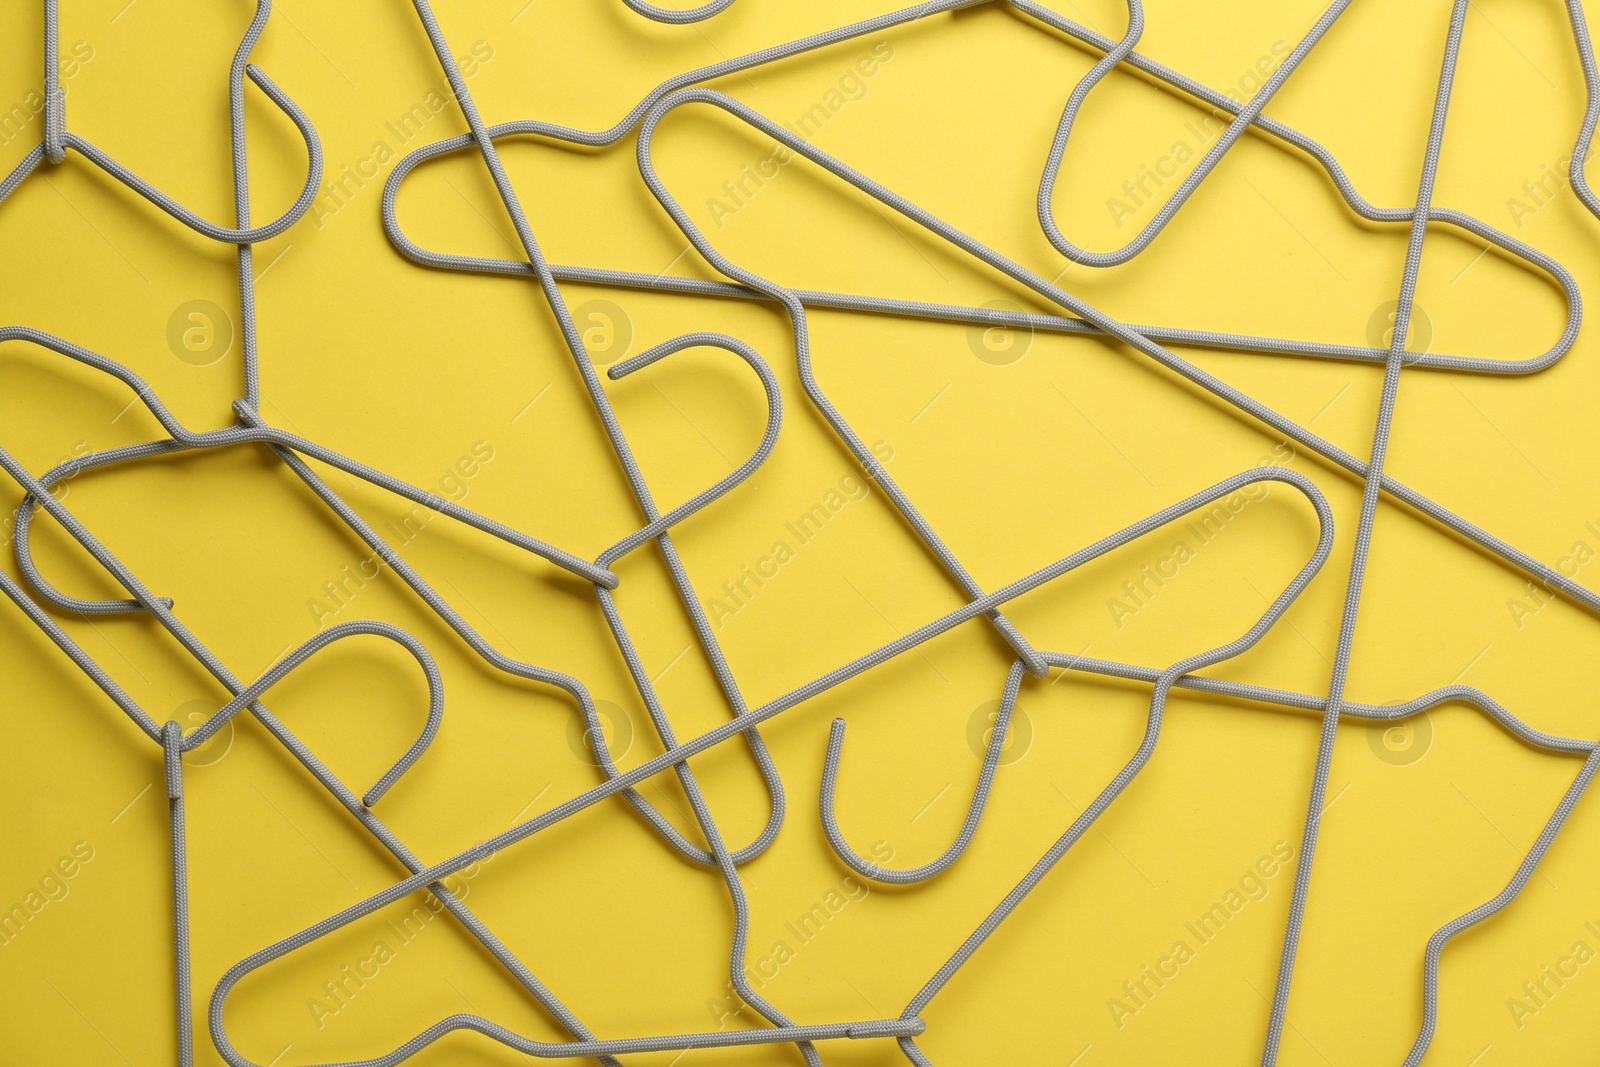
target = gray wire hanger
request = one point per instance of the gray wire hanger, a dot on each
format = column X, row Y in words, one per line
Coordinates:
column 1075, row 317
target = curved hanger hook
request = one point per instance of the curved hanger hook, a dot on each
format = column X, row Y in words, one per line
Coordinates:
column 1045, row 206
column 129, row 581
column 225, row 234
column 980, row 797
column 240, row 68
column 22, row 545
column 1591, row 107
column 678, row 18
column 490, row 655
column 1165, row 681
column 184, row 441
column 1245, row 117
column 206, row 730
column 1366, row 209
column 688, row 749
column 57, row 140
column 769, row 385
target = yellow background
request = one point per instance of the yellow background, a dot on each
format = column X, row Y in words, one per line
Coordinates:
column 1015, row 465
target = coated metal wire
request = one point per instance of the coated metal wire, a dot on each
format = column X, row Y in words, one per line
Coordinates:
column 1075, row 317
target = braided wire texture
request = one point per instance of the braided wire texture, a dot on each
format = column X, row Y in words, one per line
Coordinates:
column 910, row 1032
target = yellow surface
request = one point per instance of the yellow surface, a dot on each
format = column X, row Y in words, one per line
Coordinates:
column 1016, row 465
